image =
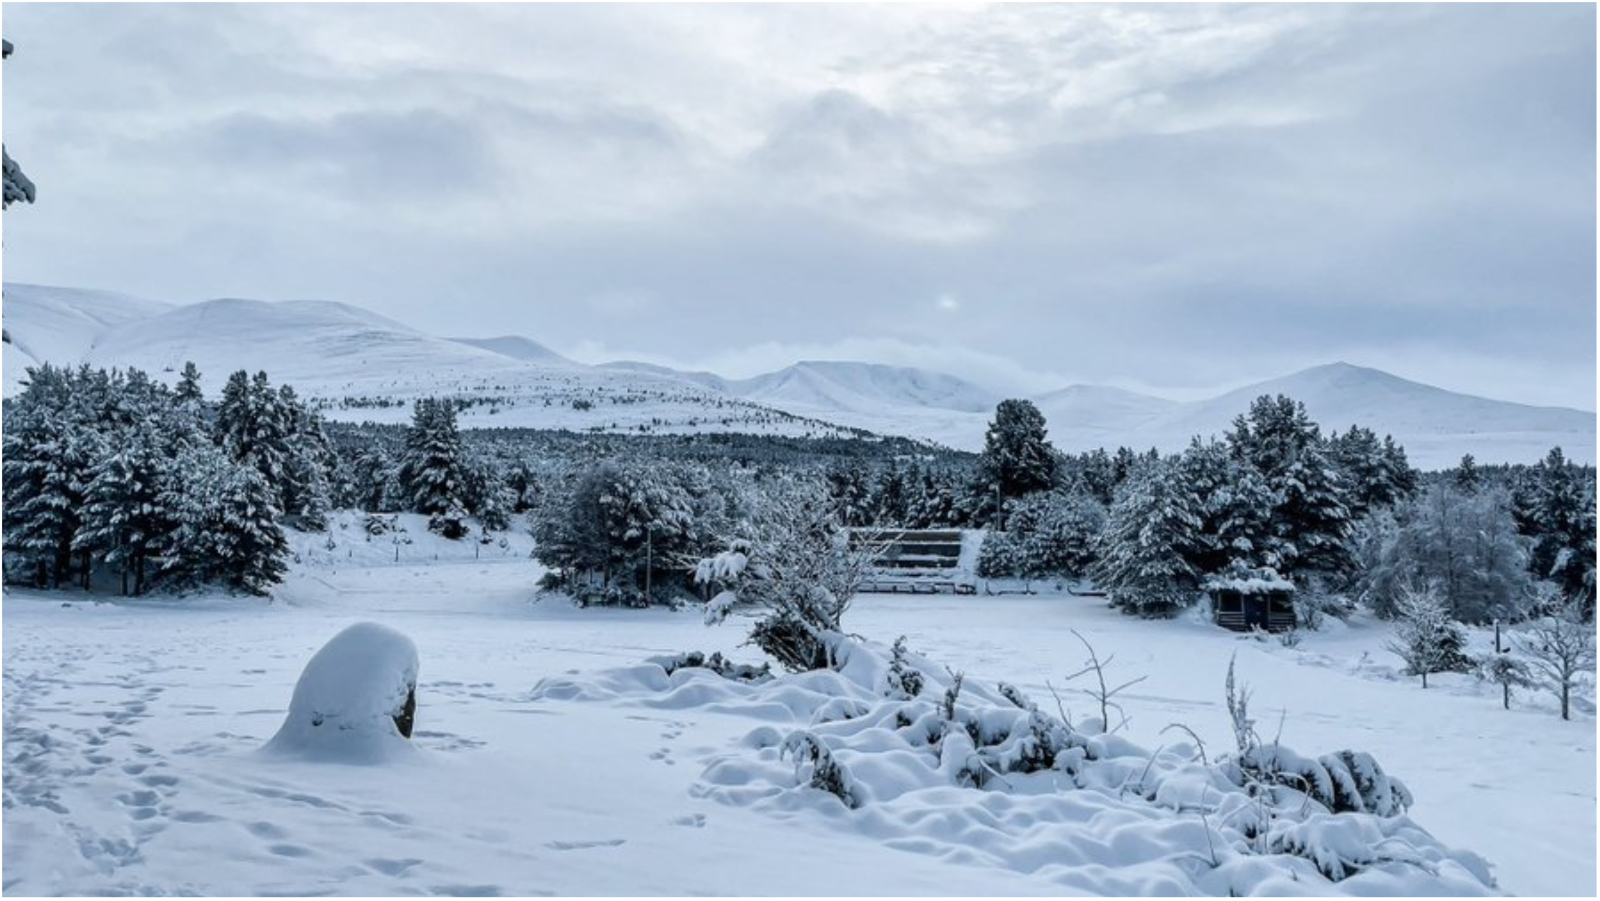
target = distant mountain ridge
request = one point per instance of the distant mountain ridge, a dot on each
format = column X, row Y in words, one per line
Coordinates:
column 359, row 364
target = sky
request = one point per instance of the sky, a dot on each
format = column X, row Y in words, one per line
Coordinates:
column 1177, row 199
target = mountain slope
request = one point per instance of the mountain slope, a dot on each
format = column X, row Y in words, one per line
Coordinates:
column 359, row 365
column 62, row 325
column 1435, row 426
column 517, row 348
column 864, row 388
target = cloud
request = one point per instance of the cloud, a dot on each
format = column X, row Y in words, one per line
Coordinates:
column 1175, row 197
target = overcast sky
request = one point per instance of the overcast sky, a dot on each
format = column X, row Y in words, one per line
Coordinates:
column 1175, row 199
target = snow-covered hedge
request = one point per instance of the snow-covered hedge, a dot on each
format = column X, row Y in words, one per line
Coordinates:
column 963, row 770
column 352, row 698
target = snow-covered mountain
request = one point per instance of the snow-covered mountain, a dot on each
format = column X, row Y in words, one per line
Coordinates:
column 360, row 365
column 357, row 365
column 44, row 324
column 518, row 348
column 864, row 388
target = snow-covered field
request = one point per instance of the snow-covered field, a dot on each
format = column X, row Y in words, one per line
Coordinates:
column 132, row 731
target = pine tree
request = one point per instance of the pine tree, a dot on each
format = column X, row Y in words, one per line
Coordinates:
column 1466, row 476
column 46, row 454
column 123, row 516
column 1311, row 523
column 188, row 389
column 1234, row 505
column 1563, row 519
column 1149, row 534
column 1016, row 455
column 430, row 468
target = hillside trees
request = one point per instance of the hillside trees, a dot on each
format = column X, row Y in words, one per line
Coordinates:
column 112, row 470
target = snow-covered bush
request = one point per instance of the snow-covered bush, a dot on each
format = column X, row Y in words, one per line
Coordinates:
column 961, row 764
column 716, row 663
column 904, row 680
column 792, row 565
column 355, row 701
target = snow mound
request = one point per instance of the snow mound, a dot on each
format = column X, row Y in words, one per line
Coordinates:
column 349, row 696
column 972, row 773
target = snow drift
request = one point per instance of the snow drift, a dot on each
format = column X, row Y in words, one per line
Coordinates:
column 982, row 775
column 353, row 699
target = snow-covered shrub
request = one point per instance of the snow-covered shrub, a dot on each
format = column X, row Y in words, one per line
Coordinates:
column 722, row 666
column 355, row 701
column 905, row 680
column 988, row 772
column 793, row 565
column 450, row 523
column 826, row 773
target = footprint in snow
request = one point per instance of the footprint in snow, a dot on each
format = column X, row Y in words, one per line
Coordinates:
column 580, row 846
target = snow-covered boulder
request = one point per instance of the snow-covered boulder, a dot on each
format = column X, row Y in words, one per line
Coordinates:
column 355, row 699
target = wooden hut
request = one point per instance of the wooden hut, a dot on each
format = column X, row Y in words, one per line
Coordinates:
column 1247, row 599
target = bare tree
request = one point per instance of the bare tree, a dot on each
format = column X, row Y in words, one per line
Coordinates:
column 1560, row 650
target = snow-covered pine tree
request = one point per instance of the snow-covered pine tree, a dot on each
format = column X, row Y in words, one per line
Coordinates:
column 365, row 485
column 226, row 525
column 889, row 497
column 16, row 185
column 1466, row 476
column 1371, row 471
column 1235, row 509
column 1016, row 454
column 47, row 454
column 1053, row 535
column 124, row 519
column 847, row 486
column 188, row 390
column 1152, row 526
column 430, row 468
column 251, row 552
column 486, row 494
column 1311, row 523
column 1563, row 521
column 253, row 425
column 308, row 462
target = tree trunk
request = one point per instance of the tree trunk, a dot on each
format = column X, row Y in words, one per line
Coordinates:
column 1506, row 692
column 1424, row 680
column 1566, row 696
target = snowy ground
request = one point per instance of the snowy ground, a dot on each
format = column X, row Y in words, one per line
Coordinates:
column 131, row 731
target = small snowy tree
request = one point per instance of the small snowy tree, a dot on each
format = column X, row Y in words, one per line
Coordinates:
column 793, row 565
column 1424, row 636
column 1560, row 650
column 1506, row 671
